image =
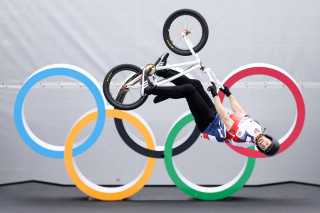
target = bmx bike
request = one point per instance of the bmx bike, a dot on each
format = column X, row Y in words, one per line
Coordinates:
column 185, row 32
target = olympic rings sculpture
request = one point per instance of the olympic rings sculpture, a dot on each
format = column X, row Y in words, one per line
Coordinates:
column 152, row 151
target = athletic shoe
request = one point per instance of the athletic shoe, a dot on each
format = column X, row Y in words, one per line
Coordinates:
column 147, row 86
column 163, row 59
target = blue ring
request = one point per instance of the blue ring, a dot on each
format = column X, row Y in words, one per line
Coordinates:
column 53, row 72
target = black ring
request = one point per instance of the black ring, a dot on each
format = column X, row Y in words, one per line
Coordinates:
column 152, row 153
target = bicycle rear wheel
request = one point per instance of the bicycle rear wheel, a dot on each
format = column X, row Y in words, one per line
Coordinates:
column 115, row 87
column 180, row 21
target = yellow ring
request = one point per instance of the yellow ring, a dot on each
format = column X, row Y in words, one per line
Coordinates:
column 99, row 192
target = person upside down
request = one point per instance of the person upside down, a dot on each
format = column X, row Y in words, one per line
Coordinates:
column 212, row 119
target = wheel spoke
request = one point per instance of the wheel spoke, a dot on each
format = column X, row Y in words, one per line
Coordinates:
column 181, row 23
column 117, row 81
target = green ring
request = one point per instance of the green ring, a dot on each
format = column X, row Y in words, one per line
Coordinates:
column 200, row 192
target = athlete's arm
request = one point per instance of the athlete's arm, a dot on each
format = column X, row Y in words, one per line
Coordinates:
column 236, row 108
column 228, row 122
column 222, row 112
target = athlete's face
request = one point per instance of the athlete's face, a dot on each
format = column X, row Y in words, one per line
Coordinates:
column 263, row 142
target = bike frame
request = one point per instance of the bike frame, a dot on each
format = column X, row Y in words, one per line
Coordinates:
column 194, row 65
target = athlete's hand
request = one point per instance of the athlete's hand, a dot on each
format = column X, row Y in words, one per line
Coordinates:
column 226, row 91
column 213, row 90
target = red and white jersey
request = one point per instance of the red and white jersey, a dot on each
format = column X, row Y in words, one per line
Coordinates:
column 242, row 131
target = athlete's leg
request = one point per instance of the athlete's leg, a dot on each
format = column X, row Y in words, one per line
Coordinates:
column 201, row 112
column 185, row 80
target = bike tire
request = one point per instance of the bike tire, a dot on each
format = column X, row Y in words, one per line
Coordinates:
column 171, row 42
column 117, row 101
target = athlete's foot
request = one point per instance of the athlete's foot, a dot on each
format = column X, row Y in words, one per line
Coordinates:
column 147, row 87
column 159, row 98
column 162, row 61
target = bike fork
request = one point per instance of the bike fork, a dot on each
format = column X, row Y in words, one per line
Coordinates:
column 213, row 78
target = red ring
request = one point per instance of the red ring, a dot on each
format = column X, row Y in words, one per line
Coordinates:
column 289, row 82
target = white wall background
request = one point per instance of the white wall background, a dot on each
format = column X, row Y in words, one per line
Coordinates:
column 96, row 35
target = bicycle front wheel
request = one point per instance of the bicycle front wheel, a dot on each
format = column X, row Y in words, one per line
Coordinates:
column 180, row 21
column 122, row 85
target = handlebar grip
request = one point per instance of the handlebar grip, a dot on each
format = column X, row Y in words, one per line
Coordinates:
column 218, row 84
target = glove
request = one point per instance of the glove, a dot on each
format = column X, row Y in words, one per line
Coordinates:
column 226, row 91
column 213, row 90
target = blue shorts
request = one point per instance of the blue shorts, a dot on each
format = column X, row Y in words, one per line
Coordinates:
column 216, row 131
